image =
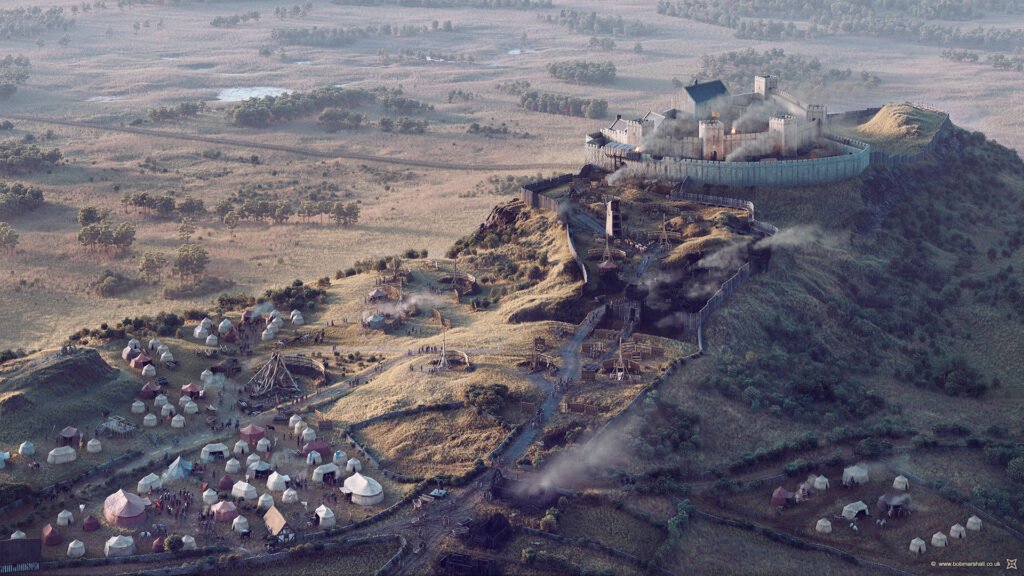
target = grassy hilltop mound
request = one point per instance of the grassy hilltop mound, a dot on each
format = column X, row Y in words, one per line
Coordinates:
column 896, row 128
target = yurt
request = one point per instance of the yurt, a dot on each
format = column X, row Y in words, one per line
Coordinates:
column 295, row 419
column 823, row 526
column 265, row 502
column 240, row 525
column 339, row 457
column 70, row 436
column 210, row 496
column 124, row 509
column 154, row 343
column 163, row 348
column 206, row 323
column 353, row 466
column 821, row 483
column 159, row 401
column 290, row 496
column 61, row 455
column 191, row 408
column 118, row 546
column 957, row 532
column 263, row 445
column 178, row 469
column 224, row 511
column 243, row 490
column 158, row 545
column 267, row 335
column 783, row 497
column 167, row 358
column 212, row 451
column 314, row 458
column 129, row 353
column 149, row 390
column 326, row 472
column 206, row 376
column 91, row 524
column 65, row 518
column 325, row 516
column 232, row 466
column 200, row 333
column 76, row 549
column 939, row 540
column 226, row 483
column 167, row 410
column 894, row 505
column 241, row 448
column 855, row 475
column 252, row 459
column 192, row 390
column 901, row 483
column 18, row 535
column 178, row 421
column 917, row 546
column 149, row 371
column 252, row 433
column 224, row 327
column 855, row 510
column 138, row 407
column 365, row 491
column 308, row 435
column 150, row 420
column 299, row 428
column 94, row 446
column 141, row 361
column 27, row 449
column 149, row 483
column 277, row 482
column 211, row 340
column 50, row 536
column 974, row 523
column 188, row 542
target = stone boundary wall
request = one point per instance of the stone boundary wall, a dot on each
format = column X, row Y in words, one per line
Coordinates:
column 575, row 255
column 406, row 412
column 594, row 545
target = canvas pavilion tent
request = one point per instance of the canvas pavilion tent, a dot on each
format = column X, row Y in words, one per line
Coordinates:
column 326, row 472
column 364, row 490
column 325, row 517
column 957, row 532
column 27, row 449
column 50, row 536
column 70, row 436
column 210, row 496
column 917, row 546
column 138, row 407
column 855, row 510
column 149, row 390
column 314, row 458
column 94, row 446
column 178, row 421
column 118, row 546
column 226, row 483
column 252, row 433
column 265, row 502
column 232, row 466
column 855, row 475
column 150, row 421
column 141, row 361
column 65, row 518
column 76, row 549
column 224, row 511
column 91, row 524
column 824, row 526
column 263, row 445
column 192, row 390
column 821, row 483
column 290, row 496
column 939, row 540
column 61, row 455
column 974, row 523
column 278, row 482
column 240, row 525
column 783, row 497
column 243, row 490
column 188, row 542
column 124, row 509
column 149, row 483
column 18, row 535
column 241, row 448
column 191, row 408
column 353, row 465
column 212, row 451
column 901, row 483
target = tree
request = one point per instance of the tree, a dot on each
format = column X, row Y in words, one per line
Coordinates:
column 549, row 523
column 152, row 265
column 192, row 207
column 123, row 236
column 1015, row 469
column 231, row 220
column 186, row 229
column 191, row 261
column 283, row 212
column 14, row 71
column 8, row 237
column 89, row 215
column 174, row 542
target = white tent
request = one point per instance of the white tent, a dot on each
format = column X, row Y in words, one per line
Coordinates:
column 974, row 523
column 851, row 511
column 294, row 312
column 339, row 457
column 365, row 491
column 290, row 496
column 185, row 399
column 159, row 401
column 252, row 459
column 76, row 549
column 224, row 327
column 295, row 419
column 308, row 435
column 167, row 357
column 263, row 445
column 149, row 421
column 314, row 458
column 277, row 323
column 210, row 496
column 178, row 421
column 267, row 335
column 939, row 540
column 299, row 427
column 326, row 516
column 901, row 483
column 62, row 455
column 119, row 546
column 188, row 542
column 163, row 348
column 134, row 344
column 265, row 502
column 94, row 446
column 191, row 408
column 138, row 407
column 277, row 482
column 244, row 490
column 149, row 482
column 27, row 449
column 18, row 535
column 823, row 526
column 200, row 333
column 232, row 466
column 240, row 524
column 65, row 518
column 206, row 376
column 353, row 466
column 167, row 410
column 241, row 448
column 210, row 451
column 298, row 320
column 855, row 475
column 320, row 471
column 274, row 314
column 821, row 483
column 149, row 371
column 211, row 340
column 957, row 532
column 917, row 546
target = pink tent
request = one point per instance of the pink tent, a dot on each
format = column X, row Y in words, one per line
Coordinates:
column 150, row 390
column 252, row 433
column 124, row 509
column 225, row 483
column 140, row 361
column 318, row 445
column 50, row 536
column 191, row 389
column 224, row 511
column 90, row 524
column 158, row 545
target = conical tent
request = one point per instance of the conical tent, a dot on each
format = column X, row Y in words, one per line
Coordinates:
column 308, row 435
column 823, row 526
column 273, row 377
column 50, row 536
column 94, row 446
column 957, row 532
column 295, row 419
column 339, row 457
column 939, row 540
column 225, row 483
column 821, row 483
column 76, row 549
column 232, row 466
column 241, row 448
column 200, row 333
column 188, row 542
column 277, row 482
column 167, row 410
column 252, row 433
column 138, row 407
column 159, row 401
column 90, row 524
column 314, row 458
column 240, row 524
column 299, row 428
column 134, row 343
column 161, row 349
column 191, row 389
column 353, row 466
column 167, row 357
column 27, row 449
column 263, row 445
column 265, row 501
column 290, row 496
column 298, row 320
column 178, row 469
column 974, row 523
column 210, row 496
column 178, row 421
column 917, row 546
column 325, row 516
column 149, row 390
column 124, row 509
column 365, row 491
column 206, row 376
column 150, row 420
column 149, row 371
column 206, row 323
column 224, row 327
column 252, row 459
column 191, row 408
column 212, row 340
column 65, row 518
column 118, row 546
column 901, row 483
column 154, row 343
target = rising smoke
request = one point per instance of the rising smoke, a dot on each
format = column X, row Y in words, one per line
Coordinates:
column 575, row 466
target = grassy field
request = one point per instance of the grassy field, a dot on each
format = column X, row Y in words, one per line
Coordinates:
column 612, row 527
column 355, row 561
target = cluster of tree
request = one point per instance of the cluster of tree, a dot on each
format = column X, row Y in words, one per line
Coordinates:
column 298, row 296
column 606, row 44
column 163, row 206
column 513, row 87
column 190, row 262
column 583, row 72
column 906, row 20
column 10, row 354
column 507, row 4
column 381, row 264
column 421, row 56
column 667, row 430
column 564, row 105
column 334, row 119
column 32, row 22
column 8, row 238
column 107, row 238
column 403, row 125
column 235, row 19
column 487, row 398
column 296, row 11
column 182, row 110
column 257, row 112
column 279, row 212
column 14, row 71
column 1013, row 63
column 111, row 283
column 495, row 131
column 19, row 158
column 800, row 73
column 459, row 95
column 339, row 37
column 592, row 23
column 18, row 198
column 6, row 125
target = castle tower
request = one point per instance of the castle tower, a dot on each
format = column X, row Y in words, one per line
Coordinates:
column 712, row 139
column 613, row 219
column 785, row 133
column 765, row 86
column 817, row 114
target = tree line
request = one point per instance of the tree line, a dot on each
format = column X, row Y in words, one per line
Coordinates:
column 31, row 22
column 338, row 37
column 18, row 198
column 798, row 72
column 996, row 61
column 565, row 105
column 592, row 23
column 235, row 19
column 14, row 71
column 18, row 158
column 583, row 72
column 493, row 4
column 182, row 110
column 162, row 205
column 259, row 112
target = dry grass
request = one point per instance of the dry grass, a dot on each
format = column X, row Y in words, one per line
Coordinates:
column 896, row 128
column 355, row 561
column 604, row 523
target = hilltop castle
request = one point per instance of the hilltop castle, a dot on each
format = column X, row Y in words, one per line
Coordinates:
column 764, row 137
